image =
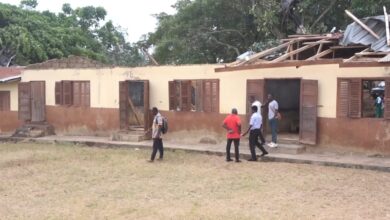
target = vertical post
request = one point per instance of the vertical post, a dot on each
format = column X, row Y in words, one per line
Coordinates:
column 387, row 26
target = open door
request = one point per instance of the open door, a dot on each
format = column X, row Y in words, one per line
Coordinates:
column 255, row 88
column 308, row 112
column 134, row 106
column 32, row 101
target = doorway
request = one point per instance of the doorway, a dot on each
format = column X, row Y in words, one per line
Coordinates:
column 134, row 113
column 297, row 99
column 32, row 101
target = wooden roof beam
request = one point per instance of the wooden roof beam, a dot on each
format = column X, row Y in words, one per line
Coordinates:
column 322, row 54
column 265, row 53
column 287, row 55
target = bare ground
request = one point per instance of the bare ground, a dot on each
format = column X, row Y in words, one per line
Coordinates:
column 72, row 182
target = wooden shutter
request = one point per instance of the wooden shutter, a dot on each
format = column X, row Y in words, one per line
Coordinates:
column 24, row 108
column 38, row 101
column 255, row 88
column 147, row 112
column 343, row 98
column 387, row 99
column 123, row 105
column 67, row 93
column 172, row 95
column 355, row 98
column 211, row 96
column 185, row 95
column 5, row 97
column 85, row 97
column 76, row 93
column 58, row 93
column 199, row 96
column 308, row 112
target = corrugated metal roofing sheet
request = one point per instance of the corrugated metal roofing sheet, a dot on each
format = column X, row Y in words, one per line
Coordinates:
column 355, row 34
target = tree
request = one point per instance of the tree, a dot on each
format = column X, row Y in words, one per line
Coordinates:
column 29, row 4
column 28, row 36
column 209, row 31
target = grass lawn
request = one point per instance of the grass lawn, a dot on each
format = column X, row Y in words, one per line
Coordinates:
column 73, row 182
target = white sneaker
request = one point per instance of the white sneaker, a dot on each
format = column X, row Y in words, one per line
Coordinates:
column 271, row 144
column 275, row 145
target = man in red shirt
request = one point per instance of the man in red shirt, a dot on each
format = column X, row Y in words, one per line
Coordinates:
column 232, row 124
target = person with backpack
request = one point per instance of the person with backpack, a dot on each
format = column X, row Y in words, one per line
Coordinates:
column 158, row 129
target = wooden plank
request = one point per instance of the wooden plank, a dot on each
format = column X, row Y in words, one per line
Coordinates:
column 172, row 95
column 347, row 47
column 365, row 27
column 147, row 113
column 322, row 42
column 67, row 93
column 265, row 53
column 308, row 112
column 38, row 101
column 24, row 98
column 58, row 93
column 134, row 111
column 185, row 95
column 297, row 51
column 123, row 105
column 387, row 26
column 355, row 98
column 342, row 98
column 319, row 55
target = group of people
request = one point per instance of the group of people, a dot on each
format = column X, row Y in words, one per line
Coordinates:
column 232, row 124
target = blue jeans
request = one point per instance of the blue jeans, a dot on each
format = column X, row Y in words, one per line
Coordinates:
column 273, row 123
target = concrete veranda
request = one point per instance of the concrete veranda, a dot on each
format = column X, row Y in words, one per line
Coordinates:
column 324, row 158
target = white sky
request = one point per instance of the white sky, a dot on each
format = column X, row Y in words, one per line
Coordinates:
column 133, row 15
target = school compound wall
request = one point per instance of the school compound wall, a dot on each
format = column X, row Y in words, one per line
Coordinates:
column 103, row 115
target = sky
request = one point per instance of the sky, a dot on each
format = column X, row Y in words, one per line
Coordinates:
column 133, row 15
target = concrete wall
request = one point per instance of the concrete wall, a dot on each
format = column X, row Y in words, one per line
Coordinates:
column 105, row 94
column 9, row 119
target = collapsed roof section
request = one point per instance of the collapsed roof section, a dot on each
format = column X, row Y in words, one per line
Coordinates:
column 358, row 44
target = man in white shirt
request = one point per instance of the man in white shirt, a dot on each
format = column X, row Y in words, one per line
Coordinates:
column 273, row 108
column 254, row 128
column 157, row 135
column 257, row 103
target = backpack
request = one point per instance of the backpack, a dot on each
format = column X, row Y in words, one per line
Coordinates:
column 164, row 127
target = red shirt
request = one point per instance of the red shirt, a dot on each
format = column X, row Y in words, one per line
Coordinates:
column 233, row 122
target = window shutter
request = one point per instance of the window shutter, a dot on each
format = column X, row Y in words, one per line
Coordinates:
column 123, row 104
column 67, row 93
column 355, row 99
column 387, row 99
column 24, row 93
column 58, row 93
column 199, row 95
column 172, row 95
column 343, row 98
column 185, row 95
column 211, row 96
column 76, row 93
column 86, row 94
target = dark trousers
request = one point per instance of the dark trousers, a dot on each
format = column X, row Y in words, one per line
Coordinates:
column 157, row 145
column 254, row 141
column 236, row 150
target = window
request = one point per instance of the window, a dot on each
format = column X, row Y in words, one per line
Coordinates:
column 5, row 101
column 194, row 95
column 363, row 98
column 72, row 93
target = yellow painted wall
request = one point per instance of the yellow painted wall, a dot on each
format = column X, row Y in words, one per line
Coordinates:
column 105, row 82
column 13, row 88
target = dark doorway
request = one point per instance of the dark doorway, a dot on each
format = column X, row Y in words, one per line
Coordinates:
column 287, row 93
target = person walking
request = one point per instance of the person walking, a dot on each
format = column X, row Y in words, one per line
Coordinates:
column 157, row 135
column 255, row 124
column 232, row 124
column 273, row 115
column 257, row 103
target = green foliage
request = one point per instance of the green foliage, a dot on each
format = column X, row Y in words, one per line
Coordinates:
column 209, row 31
column 28, row 36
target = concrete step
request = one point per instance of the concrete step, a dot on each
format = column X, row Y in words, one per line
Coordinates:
column 286, row 148
column 287, row 140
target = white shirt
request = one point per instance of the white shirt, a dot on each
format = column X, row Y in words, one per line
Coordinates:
column 272, row 108
column 156, row 133
column 255, row 121
column 258, row 105
column 378, row 100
